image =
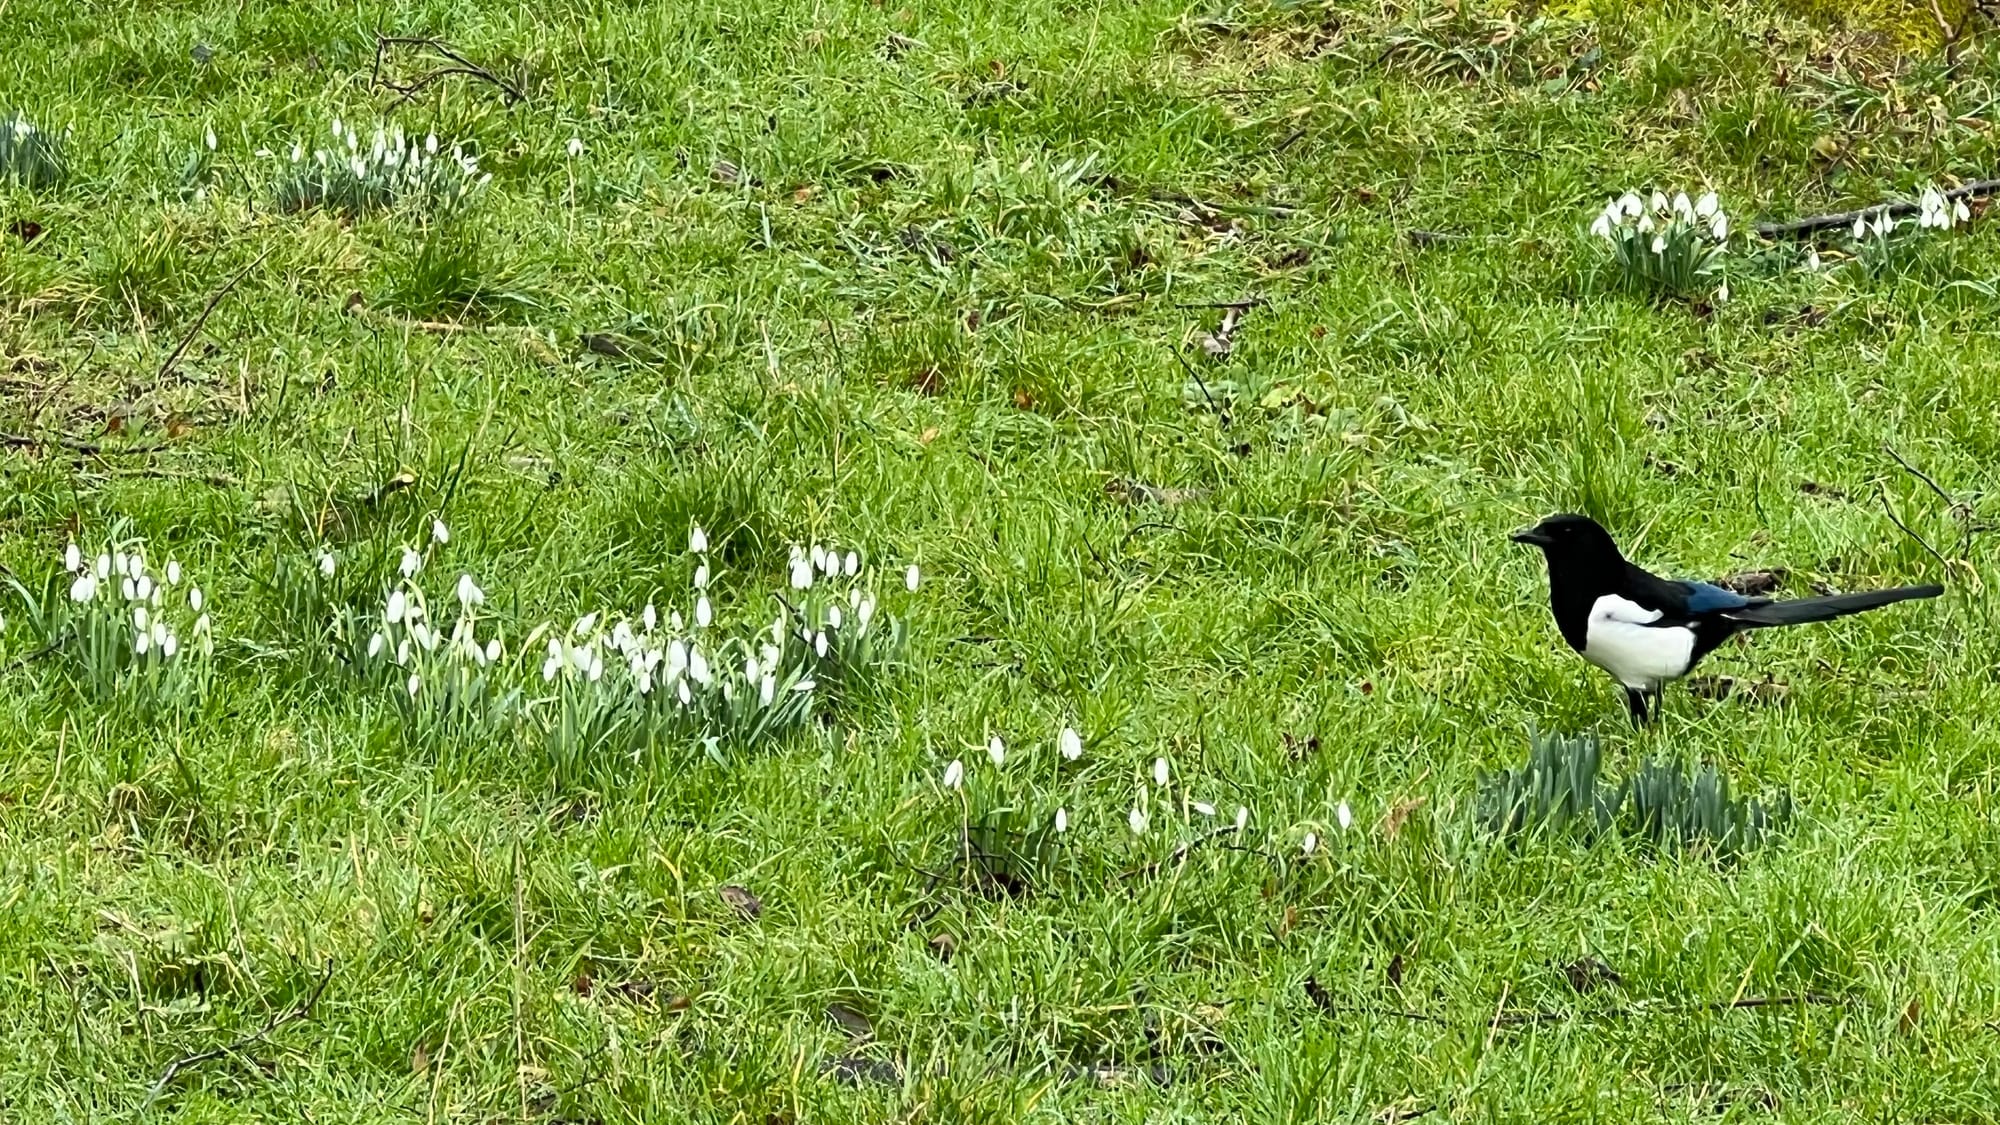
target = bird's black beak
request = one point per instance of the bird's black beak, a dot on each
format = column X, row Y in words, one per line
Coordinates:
column 1533, row 537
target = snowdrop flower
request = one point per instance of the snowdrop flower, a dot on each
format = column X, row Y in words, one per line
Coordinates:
column 1719, row 226
column 1707, row 204
column 83, row 589
column 159, row 632
column 1062, row 820
column 1960, row 212
column 802, row 575
column 139, row 618
column 596, row 671
column 338, row 128
column 767, row 689
column 1683, row 208
column 103, row 568
column 73, row 558
column 586, row 623
column 431, row 144
column 818, row 557
column 194, row 598
column 650, row 617
column 1602, row 227
column 864, row 612
column 493, row 651
column 1659, row 243
column 703, row 612
column 173, row 572
column 698, row 667
column 469, row 593
column 1204, row 808
column 550, row 667
column 701, row 577
column 1860, row 228
column 1722, row 294
column 1242, row 817
column 819, row 644
column 852, row 565
column 575, row 147
column 1311, row 843
column 141, row 642
column 1137, row 819
column 954, row 774
column 143, row 588
column 170, row 646
column 833, row 617
column 375, row 645
column 1645, row 224
column 1631, row 204
column 910, row 578
column 416, row 683
column 1812, row 261
column 440, row 534
column 1660, row 202
column 209, row 139
column 393, row 613
column 1344, row 816
column 996, row 750
column 422, row 634
column 326, row 565
column 1159, row 771
column 697, row 541
column 412, row 563
column 686, row 696
column 129, row 588
column 1070, row 743
column 403, row 652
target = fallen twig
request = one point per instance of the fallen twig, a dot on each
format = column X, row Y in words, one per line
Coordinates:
column 1978, row 189
column 180, row 349
column 300, row 1011
column 72, row 445
column 1324, row 1001
column 467, row 67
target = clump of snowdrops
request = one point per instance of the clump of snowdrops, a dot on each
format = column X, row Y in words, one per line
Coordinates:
column 391, row 169
column 1667, row 246
column 1882, row 244
column 30, row 157
column 128, row 632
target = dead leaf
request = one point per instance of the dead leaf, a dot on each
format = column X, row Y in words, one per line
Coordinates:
column 747, row 904
column 583, row 985
column 857, row 1026
column 804, row 193
column 1753, row 583
column 27, row 230
column 1912, row 1013
column 178, row 425
column 1588, row 974
column 1139, row 492
column 1399, row 813
column 944, row 945
column 1219, row 343
column 725, row 172
column 856, row 1071
column 1394, row 973
column 1023, row 400
column 677, row 1003
column 354, row 301
column 420, row 1060
column 929, row 435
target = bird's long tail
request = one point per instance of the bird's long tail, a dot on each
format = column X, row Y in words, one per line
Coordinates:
column 1803, row 610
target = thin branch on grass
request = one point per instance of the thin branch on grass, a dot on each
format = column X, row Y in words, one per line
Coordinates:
column 301, row 1011
column 1220, row 413
column 72, row 445
column 1978, row 189
column 1324, row 1001
column 1959, row 511
column 511, row 93
column 1188, row 846
column 180, row 349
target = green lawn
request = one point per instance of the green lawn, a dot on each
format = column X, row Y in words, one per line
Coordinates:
column 932, row 282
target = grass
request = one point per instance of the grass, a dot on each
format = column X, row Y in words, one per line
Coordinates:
column 912, row 278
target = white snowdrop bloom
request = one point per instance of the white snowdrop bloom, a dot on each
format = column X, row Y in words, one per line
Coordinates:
column 1812, row 261
column 854, row 597
column 1960, row 212
column 851, row 566
column 1660, row 202
column 412, row 563
column 833, row 617
column 701, row 577
column 818, row 557
column 1707, row 205
column 440, row 534
column 644, row 676
column 674, row 621
column 423, row 636
column 204, row 635
column 1860, row 228
column 1310, row 843
column 1242, row 817
column 703, row 612
column 194, row 598
column 698, row 667
column 686, row 696
column 1631, row 204
column 298, row 152
column 954, row 774
column 393, row 612
column 1722, row 294
column 1644, row 225
column 819, row 644
column 141, row 642
column 1683, row 207
column 1343, row 816
column 209, row 139
column 83, row 589
column 129, row 588
column 103, row 567
column 1137, row 819
column 596, row 672
column 326, row 564
column 469, row 593
column 865, row 612
column 586, row 623
column 649, row 617
column 579, row 659
column 802, row 575
column 622, row 638
column 1062, row 820
column 403, row 652
column 752, row 671
column 550, row 667
column 170, row 646
column 493, row 651
column 677, row 658
column 376, row 644
column 1659, row 243
column 139, row 618
column 1719, row 226
column 1160, row 771
column 1204, row 808
column 575, row 147
column 173, row 572
column 1601, row 228
column 767, row 689
column 1070, row 743
column 911, row 578
column 996, row 750
column 73, row 558
column 143, row 588
column 697, row 541
column 431, row 144
column 416, row 684
column 339, row 130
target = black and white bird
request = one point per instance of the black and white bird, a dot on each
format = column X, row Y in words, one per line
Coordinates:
column 1646, row 630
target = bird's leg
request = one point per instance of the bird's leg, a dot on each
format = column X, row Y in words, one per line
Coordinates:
column 1635, row 702
column 1658, row 708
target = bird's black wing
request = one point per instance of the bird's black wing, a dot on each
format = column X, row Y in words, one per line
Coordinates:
column 1684, row 602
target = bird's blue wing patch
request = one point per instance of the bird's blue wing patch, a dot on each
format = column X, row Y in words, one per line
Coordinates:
column 1704, row 598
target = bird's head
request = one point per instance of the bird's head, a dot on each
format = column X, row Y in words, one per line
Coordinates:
column 1571, row 538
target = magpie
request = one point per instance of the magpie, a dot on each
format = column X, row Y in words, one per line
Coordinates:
column 1646, row 630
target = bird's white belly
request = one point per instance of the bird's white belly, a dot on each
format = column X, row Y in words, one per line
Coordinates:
column 1636, row 654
